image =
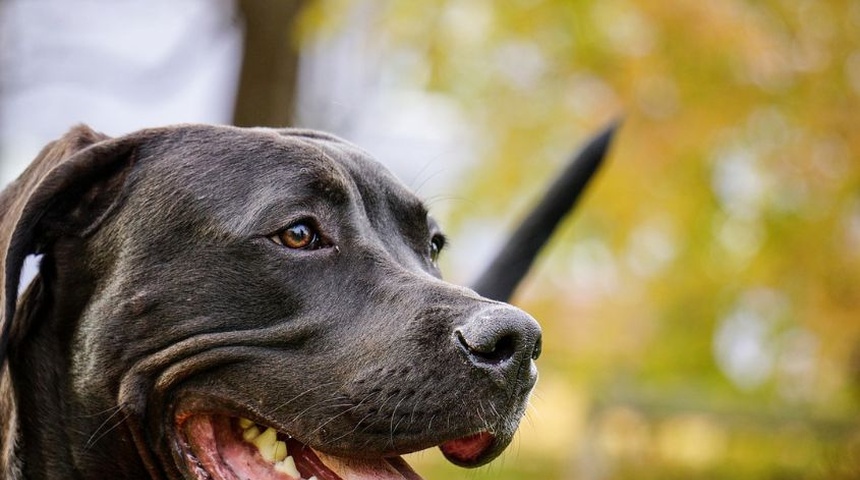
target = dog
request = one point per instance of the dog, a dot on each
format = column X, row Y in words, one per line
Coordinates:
column 223, row 303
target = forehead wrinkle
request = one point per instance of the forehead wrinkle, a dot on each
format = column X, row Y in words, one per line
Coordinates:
column 278, row 202
column 408, row 209
column 302, row 181
column 321, row 173
column 380, row 196
column 375, row 181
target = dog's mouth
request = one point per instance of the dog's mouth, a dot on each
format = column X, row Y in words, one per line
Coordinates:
column 220, row 447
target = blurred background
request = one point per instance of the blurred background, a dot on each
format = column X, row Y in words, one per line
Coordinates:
column 701, row 308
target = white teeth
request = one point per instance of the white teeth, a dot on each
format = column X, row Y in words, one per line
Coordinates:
column 265, row 443
column 280, row 451
column 288, row 466
column 270, row 448
column 251, row 433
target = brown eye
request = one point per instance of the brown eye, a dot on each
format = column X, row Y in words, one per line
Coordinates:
column 298, row 236
column 436, row 245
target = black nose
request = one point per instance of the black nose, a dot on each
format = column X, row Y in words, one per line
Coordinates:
column 499, row 339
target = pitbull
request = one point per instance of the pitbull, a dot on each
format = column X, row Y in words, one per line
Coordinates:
column 223, row 303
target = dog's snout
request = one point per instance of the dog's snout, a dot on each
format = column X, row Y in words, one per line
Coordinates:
column 499, row 340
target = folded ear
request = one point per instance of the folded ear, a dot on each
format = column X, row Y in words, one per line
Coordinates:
column 71, row 186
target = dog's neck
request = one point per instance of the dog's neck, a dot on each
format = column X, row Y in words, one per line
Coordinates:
column 37, row 413
column 51, row 421
column 9, row 464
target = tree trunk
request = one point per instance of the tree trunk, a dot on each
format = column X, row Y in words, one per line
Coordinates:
column 267, row 83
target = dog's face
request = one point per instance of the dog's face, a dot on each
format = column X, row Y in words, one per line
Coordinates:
column 262, row 304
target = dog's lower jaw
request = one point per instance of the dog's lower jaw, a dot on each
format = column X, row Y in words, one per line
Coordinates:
column 217, row 447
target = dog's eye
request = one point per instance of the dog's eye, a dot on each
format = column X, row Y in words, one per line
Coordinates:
column 299, row 235
column 437, row 243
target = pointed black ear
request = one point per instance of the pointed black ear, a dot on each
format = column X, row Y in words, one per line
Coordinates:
column 511, row 264
column 71, row 186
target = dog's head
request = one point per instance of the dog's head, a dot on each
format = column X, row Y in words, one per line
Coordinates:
column 221, row 303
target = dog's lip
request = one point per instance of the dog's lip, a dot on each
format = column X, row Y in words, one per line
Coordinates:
column 469, row 449
column 213, row 449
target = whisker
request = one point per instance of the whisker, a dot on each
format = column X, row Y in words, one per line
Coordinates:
column 496, row 414
column 430, row 423
column 412, row 414
column 393, row 415
column 352, row 408
column 317, row 387
column 306, row 410
column 393, row 426
column 95, row 437
column 353, row 429
column 102, row 412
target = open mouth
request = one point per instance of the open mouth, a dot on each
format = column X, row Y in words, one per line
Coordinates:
column 219, row 447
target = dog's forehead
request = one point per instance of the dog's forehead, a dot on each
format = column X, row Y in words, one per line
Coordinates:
column 260, row 166
column 375, row 183
column 381, row 195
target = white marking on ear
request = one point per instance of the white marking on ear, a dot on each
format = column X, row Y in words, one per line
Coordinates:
column 28, row 272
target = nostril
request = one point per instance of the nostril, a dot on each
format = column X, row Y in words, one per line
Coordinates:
column 505, row 348
column 498, row 351
column 538, row 348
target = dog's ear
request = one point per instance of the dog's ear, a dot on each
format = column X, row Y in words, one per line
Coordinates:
column 69, row 189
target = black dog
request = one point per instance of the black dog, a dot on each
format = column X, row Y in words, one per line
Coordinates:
column 224, row 303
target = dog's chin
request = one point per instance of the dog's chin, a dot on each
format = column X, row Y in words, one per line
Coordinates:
column 221, row 447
